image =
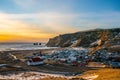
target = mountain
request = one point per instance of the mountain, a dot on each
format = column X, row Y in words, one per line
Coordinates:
column 91, row 38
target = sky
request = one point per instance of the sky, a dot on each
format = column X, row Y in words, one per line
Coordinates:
column 39, row 20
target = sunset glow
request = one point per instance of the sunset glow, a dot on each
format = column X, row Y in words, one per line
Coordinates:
column 39, row 20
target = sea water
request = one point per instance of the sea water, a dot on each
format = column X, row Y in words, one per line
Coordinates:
column 20, row 46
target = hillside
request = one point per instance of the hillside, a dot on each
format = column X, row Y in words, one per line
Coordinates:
column 91, row 38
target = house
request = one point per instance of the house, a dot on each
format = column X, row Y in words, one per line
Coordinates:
column 35, row 61
column 62, row 60
column 115, row 64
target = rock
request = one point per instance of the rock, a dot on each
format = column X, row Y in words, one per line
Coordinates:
column 86, row 38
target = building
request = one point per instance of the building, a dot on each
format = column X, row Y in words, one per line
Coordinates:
column 35, row 61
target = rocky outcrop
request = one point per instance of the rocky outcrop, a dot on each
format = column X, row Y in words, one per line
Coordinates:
column 91, row 38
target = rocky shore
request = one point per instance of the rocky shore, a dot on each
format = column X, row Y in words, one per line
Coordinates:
column 74, row 56
column 14, row 64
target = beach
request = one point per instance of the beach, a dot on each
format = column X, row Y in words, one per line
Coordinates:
column 18, row 67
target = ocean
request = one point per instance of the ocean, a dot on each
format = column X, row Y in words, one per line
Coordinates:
column 21, row 46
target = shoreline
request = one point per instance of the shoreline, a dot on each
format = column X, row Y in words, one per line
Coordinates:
column 18, row 70
column 20, row 55
column 23, row 75
column 44, row 48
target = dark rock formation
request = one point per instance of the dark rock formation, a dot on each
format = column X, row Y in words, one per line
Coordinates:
column 89, row 38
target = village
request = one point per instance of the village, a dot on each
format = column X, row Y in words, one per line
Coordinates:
column 76, row 57
column 66, row 62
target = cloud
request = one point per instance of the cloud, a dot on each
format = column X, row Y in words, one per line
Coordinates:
column 25, row 3
column 42, row 5
column 44, row 25
column 14, row 30
column 60, row 22
column 55, row 22
column 98, row 20
column 49, row 26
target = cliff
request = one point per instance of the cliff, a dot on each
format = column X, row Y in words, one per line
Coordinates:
column 91, row 38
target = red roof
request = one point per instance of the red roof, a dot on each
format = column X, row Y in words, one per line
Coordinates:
column 37, row 59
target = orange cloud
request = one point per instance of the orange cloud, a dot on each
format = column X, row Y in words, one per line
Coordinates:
column 13, row 28
column 17, row 38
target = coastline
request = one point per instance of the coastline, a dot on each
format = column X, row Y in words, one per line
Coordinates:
column 21, row 67
column 19, row 70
